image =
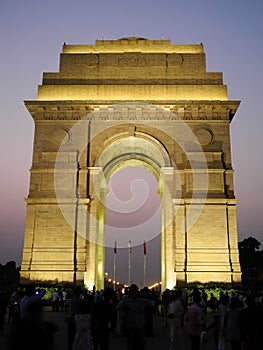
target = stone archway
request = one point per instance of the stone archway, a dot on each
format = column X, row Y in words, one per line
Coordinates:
column 152, row 156
column 178, row 117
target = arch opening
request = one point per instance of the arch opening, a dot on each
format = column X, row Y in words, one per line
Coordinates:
column 144, row 152
column 132, row 218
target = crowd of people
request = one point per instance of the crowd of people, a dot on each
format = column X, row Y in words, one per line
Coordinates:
column 234, row 322
column 128, row 314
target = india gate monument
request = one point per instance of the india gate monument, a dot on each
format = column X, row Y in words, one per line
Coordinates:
column 141, row 103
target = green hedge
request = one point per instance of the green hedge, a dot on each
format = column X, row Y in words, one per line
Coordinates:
column 215, row 288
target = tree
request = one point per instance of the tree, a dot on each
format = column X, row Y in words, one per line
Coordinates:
column 251, row 262
column 9, row 275
column 250, row 245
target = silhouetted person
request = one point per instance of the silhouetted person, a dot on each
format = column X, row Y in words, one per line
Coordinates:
column 145, row 294
column 251, row 323
column 133, row 310
column 233, row 324
column 212, row 302
column 223, row 309
column 30, row 307
column 175, row 315
column 83, row 336
column 195, row 322
column 73, row 307
column 214, row 328
column 166, row 298
column 31, row 332
column 103, row 316
column 3, row 306
column 55, row 300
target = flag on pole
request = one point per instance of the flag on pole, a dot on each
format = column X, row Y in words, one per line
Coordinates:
column 130, row 249
column 144, row 248
column 115, row 247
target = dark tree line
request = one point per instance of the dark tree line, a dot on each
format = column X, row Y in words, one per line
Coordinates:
column 9, row 275
column 251, row 261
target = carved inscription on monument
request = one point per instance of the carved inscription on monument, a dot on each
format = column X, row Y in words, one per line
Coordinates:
column 132, row 61
column 135, row 59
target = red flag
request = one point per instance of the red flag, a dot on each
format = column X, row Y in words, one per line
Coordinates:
column 144, row 248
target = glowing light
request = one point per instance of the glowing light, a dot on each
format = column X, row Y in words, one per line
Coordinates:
column 88, row 283
column 157, row 284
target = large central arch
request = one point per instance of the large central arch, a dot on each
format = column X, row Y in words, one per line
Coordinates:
column 144, row 151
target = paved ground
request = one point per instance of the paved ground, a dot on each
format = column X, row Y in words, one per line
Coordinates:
column 160, row 339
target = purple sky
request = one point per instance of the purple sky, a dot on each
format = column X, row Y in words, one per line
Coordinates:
column 31, row 38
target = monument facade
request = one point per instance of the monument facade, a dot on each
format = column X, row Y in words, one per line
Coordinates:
column 131, row 102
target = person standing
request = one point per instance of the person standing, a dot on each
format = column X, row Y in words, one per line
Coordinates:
column 55, row 300
column 196, row 322
column 73, row 306
column 83, row 336
column 63, row 299
column 223, row 309
column 30, row 304
column 30, row 331
column 251, row 324
column 102, row 318
column 233, row 324
column 3, row 307
column 133, row 311
column 175, row 315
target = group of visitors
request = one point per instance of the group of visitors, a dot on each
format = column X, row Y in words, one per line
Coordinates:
column 237, row 322
column 92, row 318
column 59, row 297
column 28, row 330
column 231, row 322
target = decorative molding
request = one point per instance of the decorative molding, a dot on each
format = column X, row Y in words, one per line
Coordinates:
column 185, row 110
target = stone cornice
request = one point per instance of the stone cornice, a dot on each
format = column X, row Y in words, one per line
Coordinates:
column 165, row 110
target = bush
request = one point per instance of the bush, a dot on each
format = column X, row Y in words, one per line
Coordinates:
column 214, row 288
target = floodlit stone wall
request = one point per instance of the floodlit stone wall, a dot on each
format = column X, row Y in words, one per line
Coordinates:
column 157, row 94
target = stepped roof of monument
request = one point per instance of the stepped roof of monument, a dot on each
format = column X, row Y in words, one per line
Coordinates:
column 133, row 44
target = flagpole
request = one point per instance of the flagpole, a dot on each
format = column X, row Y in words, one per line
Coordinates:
column 144, row 264
column 114, row 265
column 114, row 272
column 144, row 269
column 129, row 252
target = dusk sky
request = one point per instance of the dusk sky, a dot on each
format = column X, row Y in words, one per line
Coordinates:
column 31, row 37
